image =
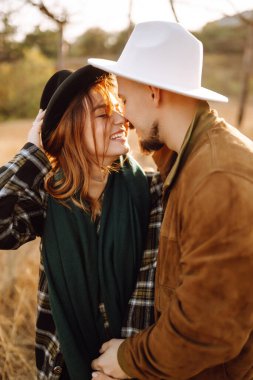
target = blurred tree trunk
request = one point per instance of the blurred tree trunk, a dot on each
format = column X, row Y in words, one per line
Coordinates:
column 247, row 66
column 246, row 74
column 61, row 23
column 60, row 50
column 130, row 21
column 173, row 10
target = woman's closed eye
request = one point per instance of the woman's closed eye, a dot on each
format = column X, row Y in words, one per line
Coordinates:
column 102, row 112
column 103, row 115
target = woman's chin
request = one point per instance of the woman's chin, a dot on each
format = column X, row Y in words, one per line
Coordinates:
column 121, row 150
column 108, row 160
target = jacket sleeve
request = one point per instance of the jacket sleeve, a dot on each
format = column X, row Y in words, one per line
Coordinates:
column 210, row 315
column 22, row 197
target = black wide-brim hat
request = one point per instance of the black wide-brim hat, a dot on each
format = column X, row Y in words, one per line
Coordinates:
column 60, row 90
column 52, row 84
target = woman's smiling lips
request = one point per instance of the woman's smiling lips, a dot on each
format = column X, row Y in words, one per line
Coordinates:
column 119, row 135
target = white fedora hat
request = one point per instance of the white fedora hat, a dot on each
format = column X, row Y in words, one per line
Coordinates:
column 164, row 55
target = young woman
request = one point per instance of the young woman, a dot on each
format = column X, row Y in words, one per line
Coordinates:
column 89, row 202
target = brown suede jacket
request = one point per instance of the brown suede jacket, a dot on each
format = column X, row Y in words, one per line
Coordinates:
column 204, row 281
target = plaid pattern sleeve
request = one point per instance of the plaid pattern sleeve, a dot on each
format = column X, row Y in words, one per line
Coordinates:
column 22, row 197
column 141, row 305
column 50, row 363
column 49, row 359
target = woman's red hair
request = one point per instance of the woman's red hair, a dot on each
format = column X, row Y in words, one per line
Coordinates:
column 69, row 177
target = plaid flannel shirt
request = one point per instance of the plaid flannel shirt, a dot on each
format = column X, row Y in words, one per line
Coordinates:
column 23, row 204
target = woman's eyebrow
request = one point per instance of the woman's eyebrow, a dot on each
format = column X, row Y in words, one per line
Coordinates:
column 98, row 107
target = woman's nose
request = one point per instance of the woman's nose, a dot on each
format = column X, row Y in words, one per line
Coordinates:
column 118, row 118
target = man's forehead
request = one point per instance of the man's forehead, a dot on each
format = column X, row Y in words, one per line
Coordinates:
column 121, row 81
column 124, row 84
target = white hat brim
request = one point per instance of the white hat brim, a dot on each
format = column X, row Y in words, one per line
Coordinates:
column 197, row 93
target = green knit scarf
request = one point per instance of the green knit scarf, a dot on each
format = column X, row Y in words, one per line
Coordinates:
column 84, row 268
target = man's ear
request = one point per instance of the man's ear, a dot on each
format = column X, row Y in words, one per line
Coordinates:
column 155, row 93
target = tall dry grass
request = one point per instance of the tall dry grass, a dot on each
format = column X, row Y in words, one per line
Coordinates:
column 18, row 284
column 19, row 269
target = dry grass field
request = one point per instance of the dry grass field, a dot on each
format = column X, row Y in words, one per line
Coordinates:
column 19, row 273
column 18, row 283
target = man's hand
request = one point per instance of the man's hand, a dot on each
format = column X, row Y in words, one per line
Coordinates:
column 101, row 376
column 107, row 362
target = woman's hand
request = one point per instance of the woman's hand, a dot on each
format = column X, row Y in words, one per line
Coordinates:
column 34, row 133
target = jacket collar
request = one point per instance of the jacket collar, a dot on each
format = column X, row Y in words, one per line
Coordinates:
column 169, row 163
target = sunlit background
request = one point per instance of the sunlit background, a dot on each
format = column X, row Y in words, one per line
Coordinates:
column 38, row 37
column 113, row 15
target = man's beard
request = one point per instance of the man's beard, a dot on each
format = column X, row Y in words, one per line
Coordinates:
column 152, row 142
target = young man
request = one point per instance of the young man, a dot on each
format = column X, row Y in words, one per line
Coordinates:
column 204, row 308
